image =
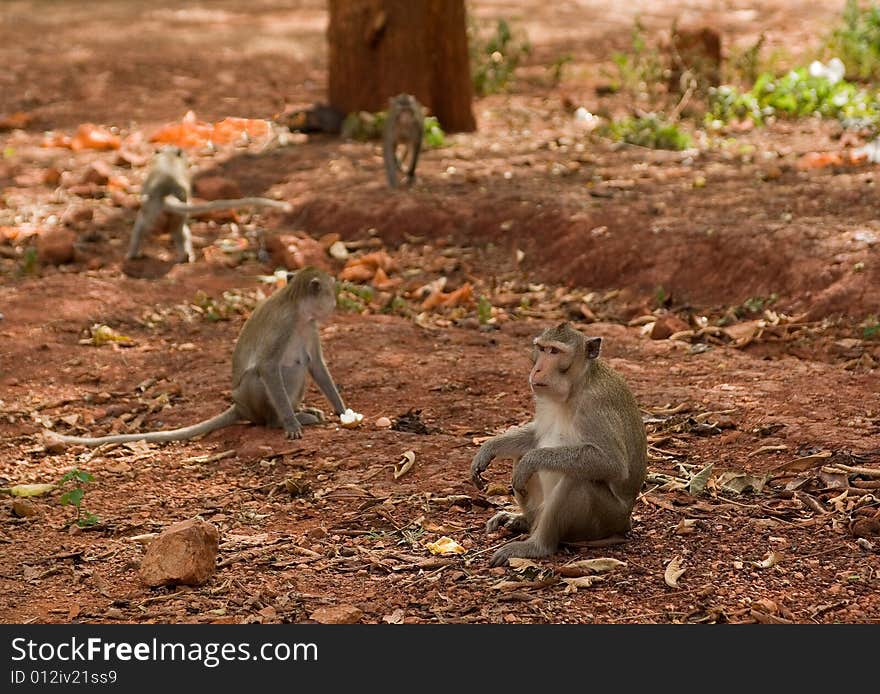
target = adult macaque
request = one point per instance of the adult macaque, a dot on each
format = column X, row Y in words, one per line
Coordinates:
column 167, row 190
column 279, row 344
column 402, row 138
column 580, row 463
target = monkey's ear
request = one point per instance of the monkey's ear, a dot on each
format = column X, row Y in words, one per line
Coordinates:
column 593, row 344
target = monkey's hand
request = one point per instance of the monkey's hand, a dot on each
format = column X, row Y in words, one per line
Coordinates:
column 479, row 464
column 523, row 470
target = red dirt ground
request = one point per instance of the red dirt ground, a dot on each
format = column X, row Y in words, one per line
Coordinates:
column 626, row 233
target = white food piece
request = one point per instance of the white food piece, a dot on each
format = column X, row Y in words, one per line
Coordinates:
column 350, row 419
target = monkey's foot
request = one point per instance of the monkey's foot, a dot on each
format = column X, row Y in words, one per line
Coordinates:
column 515, row 522
column 310, row 415
column 527, row 549
column 293, row 433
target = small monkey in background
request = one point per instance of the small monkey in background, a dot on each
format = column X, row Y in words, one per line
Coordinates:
column 402, row 138
column 167, row 189
column 580, row 463
column 279, row 344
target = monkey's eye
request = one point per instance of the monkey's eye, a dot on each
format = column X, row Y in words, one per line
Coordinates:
column 552, row 350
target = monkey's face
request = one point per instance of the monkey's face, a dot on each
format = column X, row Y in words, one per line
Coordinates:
column 550, row 376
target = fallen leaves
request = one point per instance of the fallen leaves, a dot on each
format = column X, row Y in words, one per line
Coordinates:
column 87, row 136
column 445, row 545
column 673, row 572
column 101, row 334
column 191, row 132
column 25, row 490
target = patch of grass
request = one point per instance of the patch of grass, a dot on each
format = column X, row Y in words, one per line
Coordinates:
column 649, row 131
column 494, row 59
column 857, row 40
column 871, row 328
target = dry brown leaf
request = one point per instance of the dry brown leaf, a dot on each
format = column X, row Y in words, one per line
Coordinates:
column 395, row 617
column 744, row 333
column 462, row 295
column 768, row 449
column 805, row 463
column 673, row 572
column 572, row 584
column 686, row 526
column 598, row 565
column 445, row 545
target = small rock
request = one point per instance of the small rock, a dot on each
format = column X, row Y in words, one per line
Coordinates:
column 185, row 553
column 51, row 176
column 339, row 251
column 337, row 614
column 76, row 216
column 216, row 188
column 98, row 172
column 316, row 533
column 295, row 252
column 55, row 247
column 667, row 325
column 849, row 347
column 383, row 423
column 23, row 508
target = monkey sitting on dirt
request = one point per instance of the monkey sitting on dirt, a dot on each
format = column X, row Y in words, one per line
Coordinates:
column 580, row 463
column 167, row 190
column 402, row 138
column 279, row 344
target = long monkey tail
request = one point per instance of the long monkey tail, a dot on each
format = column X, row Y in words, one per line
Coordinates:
column 224, row 419
column 173, row 204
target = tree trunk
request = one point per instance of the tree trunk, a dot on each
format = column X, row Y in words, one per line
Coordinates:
column 380, row 48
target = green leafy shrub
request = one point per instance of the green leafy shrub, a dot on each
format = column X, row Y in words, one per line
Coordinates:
column 74, row 496
column 649, row 131
column 796, row 94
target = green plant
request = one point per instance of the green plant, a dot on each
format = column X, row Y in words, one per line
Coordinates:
column 857, row 40
column 434, row 135
column 557, row 66
column 745, row 63
column 871, row 328
column 353, row 298
column 28, row 263
column 495, row 59
column 364, row 126
column 74, row 496
column 484, row 310
column 649, row 131
column 756, row 304
column 640, row 72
